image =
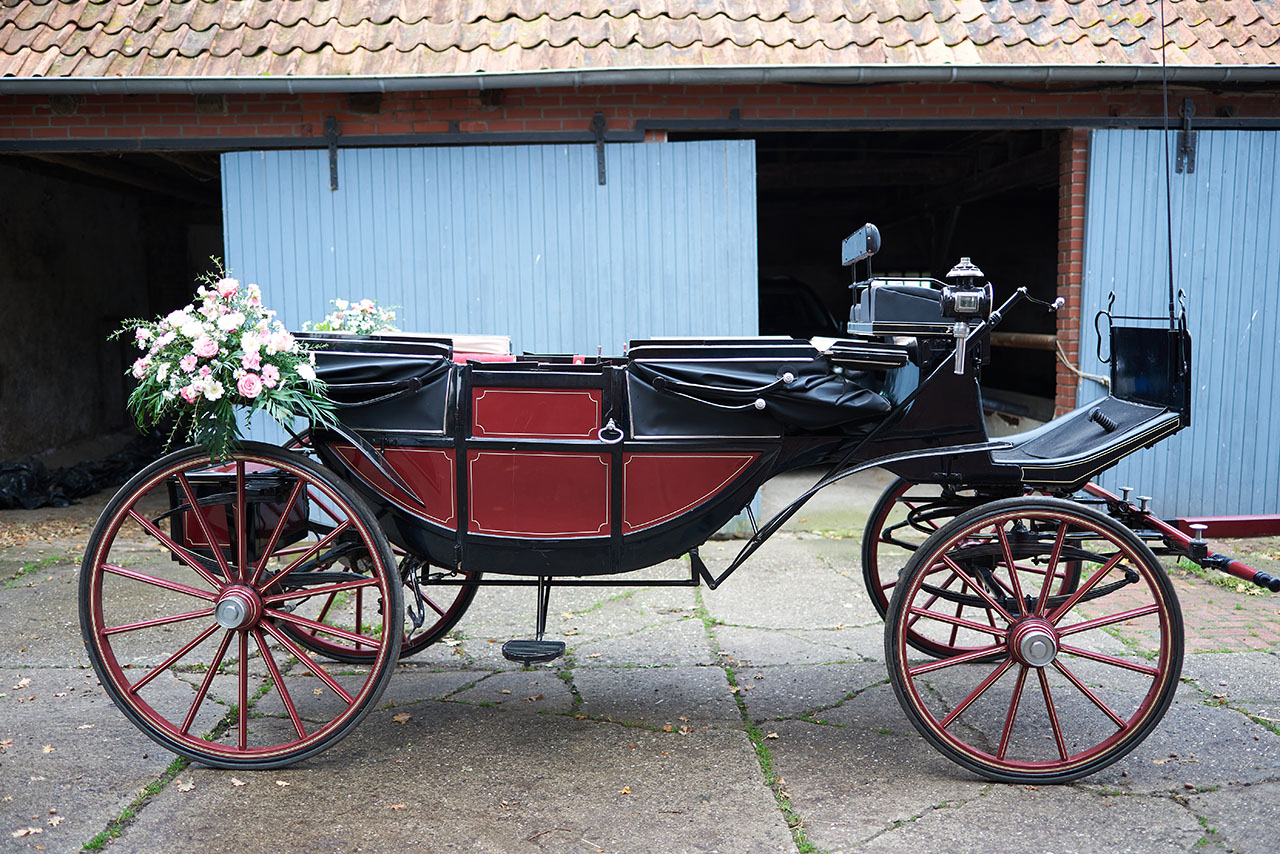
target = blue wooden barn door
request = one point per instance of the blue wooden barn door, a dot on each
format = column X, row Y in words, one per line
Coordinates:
column 510, row 240
column 1226, row 238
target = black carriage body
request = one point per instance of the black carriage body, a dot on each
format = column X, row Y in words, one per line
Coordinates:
column 563, row 465
column 544, row 466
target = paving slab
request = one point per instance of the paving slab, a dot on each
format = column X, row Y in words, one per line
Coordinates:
column 682, row 642
column 1009, row 819
column 764, row 647
column 793, row 690
column 527, row 691
column 671, row 696
column 791, row 582
column 1239, row 818
column 471, row 779
column 70, row 762
column 850, row 785
column 1196, row 745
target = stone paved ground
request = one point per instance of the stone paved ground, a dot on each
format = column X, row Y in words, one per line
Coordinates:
column 756, row 717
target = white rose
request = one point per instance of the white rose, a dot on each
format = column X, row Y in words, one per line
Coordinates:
column 305, row 371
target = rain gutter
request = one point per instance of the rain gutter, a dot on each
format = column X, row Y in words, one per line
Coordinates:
column 843, row 75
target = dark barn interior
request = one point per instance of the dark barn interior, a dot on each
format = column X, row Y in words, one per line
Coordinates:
column 936, row 196
column 88, row 240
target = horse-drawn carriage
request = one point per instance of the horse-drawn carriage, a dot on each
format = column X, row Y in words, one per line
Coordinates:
column 1030, row 632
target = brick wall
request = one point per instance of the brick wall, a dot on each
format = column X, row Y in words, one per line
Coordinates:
column 161, row 117
column 1073, row 156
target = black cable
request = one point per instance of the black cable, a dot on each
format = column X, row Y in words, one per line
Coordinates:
column 1168, row 172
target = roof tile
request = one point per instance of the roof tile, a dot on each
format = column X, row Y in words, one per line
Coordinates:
column 253, row 37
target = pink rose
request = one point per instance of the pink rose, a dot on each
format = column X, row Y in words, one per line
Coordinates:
column 270, row 376
column 204, row 347
column 252, row 360
column 140, row 368
column 205, row 371
column 188, row 363
column 227, row 288
column 190, row 393
column 250, row 386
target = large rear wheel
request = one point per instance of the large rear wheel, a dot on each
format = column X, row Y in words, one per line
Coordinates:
column 198, row 577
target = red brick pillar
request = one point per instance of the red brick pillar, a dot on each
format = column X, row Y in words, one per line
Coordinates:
column 1073, row 165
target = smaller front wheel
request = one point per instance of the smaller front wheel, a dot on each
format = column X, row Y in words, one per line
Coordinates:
column 1050, row 685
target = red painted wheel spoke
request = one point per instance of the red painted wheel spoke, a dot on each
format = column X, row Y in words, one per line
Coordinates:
column 276, row 676
column 955, row 567
column 1013, row 713
column 297, row 653
column 977, row 692
column 204, row 524
column 1053, row 714
column 304, row 557
column 1083, row 589
column 207, row 681
column 242, row 727
column 1098, row 623
column 955, row 627
column 422, row 597
column 359, row 610
column 1093, row 698
column 319, row 591
column 960, row 621
column 1112, row 660
column 269, row 551
column 242, row 525
column 159, row 621
column 1013, row 568
column 933, row 597
column 1050, row 571
column 322, row 628
column 964, row 658
column 171, row 660
column 187, row 557
column 158, row 582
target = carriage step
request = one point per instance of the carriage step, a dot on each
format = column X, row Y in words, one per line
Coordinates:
column 532, row 651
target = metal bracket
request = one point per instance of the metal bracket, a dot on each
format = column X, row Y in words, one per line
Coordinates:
column 1186, row 160
column 332, row 133
column 597, row 130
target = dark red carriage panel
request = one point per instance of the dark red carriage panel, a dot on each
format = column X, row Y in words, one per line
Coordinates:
column 428, row 471
column 539, row 495
column 219, row 517
column 659, row 487
column 519, row 413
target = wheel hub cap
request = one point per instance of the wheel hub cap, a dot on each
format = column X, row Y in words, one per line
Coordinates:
column 238, row 607
column 1034, row 643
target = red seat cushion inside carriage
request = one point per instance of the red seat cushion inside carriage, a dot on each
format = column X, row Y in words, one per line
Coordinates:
column 463, row 358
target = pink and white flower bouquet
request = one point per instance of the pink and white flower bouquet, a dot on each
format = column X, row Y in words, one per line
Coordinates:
column 224, row 351
column 359, row 317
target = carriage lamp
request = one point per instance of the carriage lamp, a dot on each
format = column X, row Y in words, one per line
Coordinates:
column 967, row 298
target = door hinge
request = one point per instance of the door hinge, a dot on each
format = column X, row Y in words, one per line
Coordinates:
column 1186, row 160
column 332, row 133
column 597, row 130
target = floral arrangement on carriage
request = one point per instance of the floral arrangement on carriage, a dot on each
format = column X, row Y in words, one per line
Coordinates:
column 356, row 317
column 223, row 352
